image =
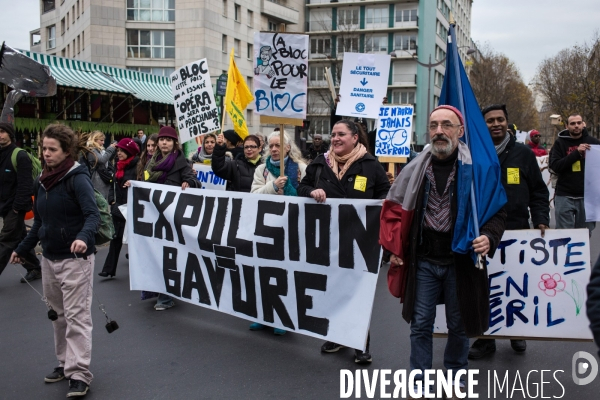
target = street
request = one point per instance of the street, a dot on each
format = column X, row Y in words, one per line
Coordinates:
column 191, row 352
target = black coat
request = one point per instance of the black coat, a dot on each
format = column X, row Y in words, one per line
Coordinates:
column 182, row 172
column 240, row 171
column 377, row 187
column 593, row 302
column 16, row 187
column 530, row 194
column 118, row 193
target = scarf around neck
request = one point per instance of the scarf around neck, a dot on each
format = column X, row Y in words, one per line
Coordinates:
column 334, row 161
column 290, row 170
column 159, row 167
column 502, row 146
column 121, row 166
column 50, row 177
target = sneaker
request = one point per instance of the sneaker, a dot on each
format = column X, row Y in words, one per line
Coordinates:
column 163, row 307
column 278, row 332
column 32, row 275
column 255, row 326
column 362, row 357
column 330, row 347
column 481, row 348
column 77, row 388
column 518, row 345
column 57, row 375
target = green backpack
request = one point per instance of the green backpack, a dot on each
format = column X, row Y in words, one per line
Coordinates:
column 36, row 165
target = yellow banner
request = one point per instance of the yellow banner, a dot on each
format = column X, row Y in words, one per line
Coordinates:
column 237, row 97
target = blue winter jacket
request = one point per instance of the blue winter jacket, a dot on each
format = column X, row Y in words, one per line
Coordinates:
column 62, row 215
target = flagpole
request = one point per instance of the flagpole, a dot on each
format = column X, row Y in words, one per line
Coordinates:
column 281, row 151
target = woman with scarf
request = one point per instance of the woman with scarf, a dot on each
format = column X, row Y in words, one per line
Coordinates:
column 168, row 166
column 99, row 162
column 240, row 172
column 149, row 148
column 66, row 219
column 127, row 151
column 205, row 152
column 268, row 181
column 347, row 170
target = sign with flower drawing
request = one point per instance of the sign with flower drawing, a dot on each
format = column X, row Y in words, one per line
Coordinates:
column 538, row 285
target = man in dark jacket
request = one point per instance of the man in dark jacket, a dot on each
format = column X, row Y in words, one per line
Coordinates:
column 567, row 160
column 526, row 192
column 16, row 188
column 317, row 148
column 417, row 225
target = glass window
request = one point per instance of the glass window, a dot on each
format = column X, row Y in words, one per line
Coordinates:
column 51, row 31
column 376, row 44
column 405, row 42
column 348, row 16
column 249, row 51
column 320, row 46
column 377, row 17
column 237, row 12
column 250, row 21
column 151, row 10
column 150, row 44
column 224, row 44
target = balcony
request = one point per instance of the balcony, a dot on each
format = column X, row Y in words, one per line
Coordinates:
column 272, row 9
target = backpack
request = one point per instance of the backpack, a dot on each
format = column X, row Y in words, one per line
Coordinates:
column 36, row 165
column 106, row 228
column 106, row 173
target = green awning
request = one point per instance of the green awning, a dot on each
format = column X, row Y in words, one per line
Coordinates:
column 85, row 75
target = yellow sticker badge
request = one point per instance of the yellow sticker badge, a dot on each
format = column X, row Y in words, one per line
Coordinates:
column 577, row 166
column 512, row 176
column 146, row 175
column 360, row 183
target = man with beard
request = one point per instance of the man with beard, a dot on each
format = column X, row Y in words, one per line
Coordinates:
column 526, row 192
column 317, row 147
column 567, row 160
column 417, row 225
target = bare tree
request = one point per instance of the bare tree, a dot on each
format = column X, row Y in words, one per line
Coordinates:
column 497, row 80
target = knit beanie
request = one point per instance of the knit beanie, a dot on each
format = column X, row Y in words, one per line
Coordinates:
column 8, row 128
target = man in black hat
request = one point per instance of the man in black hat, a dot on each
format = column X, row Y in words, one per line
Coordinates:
column 16, row 188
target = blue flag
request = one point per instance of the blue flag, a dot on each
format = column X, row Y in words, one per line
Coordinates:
column 480, row 193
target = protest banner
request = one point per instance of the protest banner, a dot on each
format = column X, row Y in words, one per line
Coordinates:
column 591, row 194
column 364, row 84
column 544, row 165
column 280, row 74
column 194, row 101
column 394, row 131
column 282, row 261
column 207, row 177
column 537, row 286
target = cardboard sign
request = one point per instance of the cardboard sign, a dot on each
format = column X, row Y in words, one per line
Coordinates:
column 394, row 131
column 194, row 101
column 364, row 84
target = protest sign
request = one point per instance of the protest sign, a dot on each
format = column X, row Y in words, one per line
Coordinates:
column 207, row 177
column 364, row 84
column 591, row 193
column 194, row 101
column 280, row 74
column 282, row 261
column 394, row 131
column 537, row 285
column 544, row 165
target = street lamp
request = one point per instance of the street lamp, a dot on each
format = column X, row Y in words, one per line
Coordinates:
column 429, row 66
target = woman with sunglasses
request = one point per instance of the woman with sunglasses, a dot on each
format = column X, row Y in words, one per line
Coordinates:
column 238, row 171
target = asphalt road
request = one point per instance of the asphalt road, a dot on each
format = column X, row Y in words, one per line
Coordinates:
column 194, row 353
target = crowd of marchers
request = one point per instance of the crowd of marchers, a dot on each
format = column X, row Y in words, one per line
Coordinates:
column 76, row 168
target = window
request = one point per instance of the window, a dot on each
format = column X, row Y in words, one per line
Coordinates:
column 67, row 21
column 249, row 81
column 404, row 73
column 438, row 79
column 444, row 9
column 49, row 5
column 82, row 40
column 403, row 97
column 51, row 32
column 68, row 51
column 250, row 18
column 406, row 15
column 237, row 12
column 272, row 26
column 151, row 10
column 73, row 15
column 36, row 38
column 63, row 52
column 347, row 17
column 249, row 117
column 225, row 8
column 377, row 17
column 405, row 42
column 320, row 46
column 316, row 73
column 224, row 44
column 250, row 51
column 73, row 48
column 78, row 44
column 377, row 44
column 348, row 44
column 154, row 71
column 319, row 125
column 441, row 30
column 62, row 26
column 150, row 44
column 78, row 11
column 237, row 45
column 439, row 53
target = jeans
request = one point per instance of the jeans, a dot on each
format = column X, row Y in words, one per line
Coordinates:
column 431, row 281
column 12, row 233
column 570, row 214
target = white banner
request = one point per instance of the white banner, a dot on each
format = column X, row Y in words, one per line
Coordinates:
column 537, row 285
column 194, row 101
column 207, row 177
column 280, row 74
column 591, row 194
column 544, row 165
column 364, row 84
column 286, row 262
column 394, row 131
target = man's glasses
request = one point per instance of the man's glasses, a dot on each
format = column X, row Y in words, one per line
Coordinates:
column 250, row 147
column 446, row 126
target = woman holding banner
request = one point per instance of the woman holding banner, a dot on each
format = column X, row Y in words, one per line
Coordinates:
column 205, row 152
column 268, row 181
column 127, row 161
column 169, row 166
column 240, row 172
column 347, row 170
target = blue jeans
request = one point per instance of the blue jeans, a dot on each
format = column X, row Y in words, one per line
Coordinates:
column 431, row 280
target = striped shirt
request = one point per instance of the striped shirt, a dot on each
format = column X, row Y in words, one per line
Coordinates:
column 437, row 212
